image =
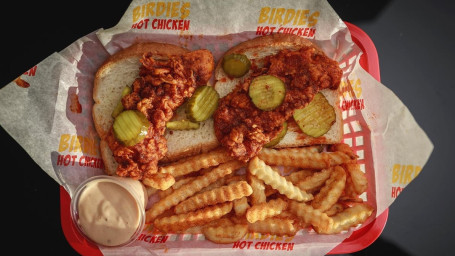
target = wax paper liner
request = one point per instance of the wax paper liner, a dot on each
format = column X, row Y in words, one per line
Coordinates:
column 54, row 125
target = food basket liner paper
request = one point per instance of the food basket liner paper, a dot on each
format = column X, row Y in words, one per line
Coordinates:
column 54, row 123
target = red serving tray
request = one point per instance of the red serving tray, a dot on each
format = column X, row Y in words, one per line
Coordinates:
column 359, row 240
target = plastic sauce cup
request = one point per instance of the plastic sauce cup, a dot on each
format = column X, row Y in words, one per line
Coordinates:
column 109, row 211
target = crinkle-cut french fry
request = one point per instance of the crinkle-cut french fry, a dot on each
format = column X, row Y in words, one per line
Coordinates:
column 316, row 218
column 264, row 172
column 203, row 171
column 334, row 209
column 182, row 181
column 218, row 183
column 192, row 230
column 348, row 218
column 180, row 222
column 151, row 191
column 177, row 184
column 197, row 162
column 161, row 181
column 343, row 147
column 349, row 196
column 274, row 226
column 269, row 190
column 314, row 181
column 238, row 219
column 287, row 170
column 218, row 195
column 285, row 214
column 241, row 206
column 349, row 190
column 358, row 178
column 266, row 210
column 350, row 200
column 199, row 229
column 225, row 234
column 331, row 192
column 258, row 186
column 297, row 176
column 298, row 222
column 224, row 221
column 191, row 188
column 235, row 178
column 302, row 158
column 164, row 193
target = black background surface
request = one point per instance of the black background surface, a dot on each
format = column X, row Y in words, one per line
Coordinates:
column 414, row 40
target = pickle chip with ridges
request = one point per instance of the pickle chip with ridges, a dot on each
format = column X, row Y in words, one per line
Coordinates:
column 182, row 125
column 119, row 108
column 267, row 92
column 130, row 127
column 317, row 117
column 236, row 64
column 279, row 137
column 202, row 104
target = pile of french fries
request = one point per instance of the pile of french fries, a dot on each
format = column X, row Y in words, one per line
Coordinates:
column 278, row 192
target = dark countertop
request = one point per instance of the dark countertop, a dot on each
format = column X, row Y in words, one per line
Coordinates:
column 414, row 41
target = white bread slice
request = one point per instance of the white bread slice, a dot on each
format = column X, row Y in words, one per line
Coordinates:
column 110, row 165
column 120, row 70
column 256, row 49
column 189, row 142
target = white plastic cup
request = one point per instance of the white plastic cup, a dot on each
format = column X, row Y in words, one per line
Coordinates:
column 109, row 211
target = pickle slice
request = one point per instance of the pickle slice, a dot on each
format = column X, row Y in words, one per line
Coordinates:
column 182, row 125
column 236, row 64
column 202, row 104
column 317, row 117
column 267, row 92
column 130, row 127
column 119, row 108
column 279, row 137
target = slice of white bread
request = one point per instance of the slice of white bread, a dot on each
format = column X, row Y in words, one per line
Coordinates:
column 256, row 49
column 120, row 70
column 183, row 143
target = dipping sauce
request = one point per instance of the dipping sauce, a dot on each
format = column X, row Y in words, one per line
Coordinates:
column 110, row 211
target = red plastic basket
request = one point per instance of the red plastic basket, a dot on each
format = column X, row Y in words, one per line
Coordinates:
column 365, row 236
column 359, row 240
